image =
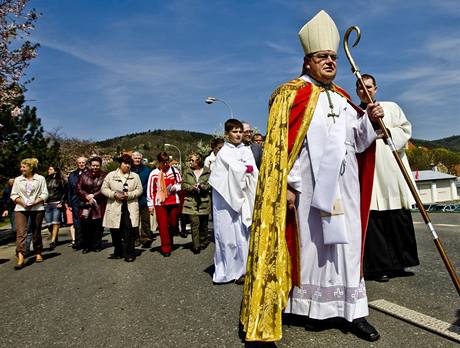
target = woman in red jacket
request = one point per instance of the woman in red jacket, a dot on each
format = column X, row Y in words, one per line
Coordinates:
column 163, row 185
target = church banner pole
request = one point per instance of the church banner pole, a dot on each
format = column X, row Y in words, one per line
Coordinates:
column 389, row 141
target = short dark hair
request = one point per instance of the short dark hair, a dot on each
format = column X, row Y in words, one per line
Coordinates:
column 125, row 158
column 304, row 64
column 163, row 157
column 257, row 135
column 216, row 141
column 56, row 168
column 365, row 77
column 96, row 158
column 232, row 123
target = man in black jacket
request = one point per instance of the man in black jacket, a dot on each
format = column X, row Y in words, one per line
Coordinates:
column 256, row 149
column 143, row 233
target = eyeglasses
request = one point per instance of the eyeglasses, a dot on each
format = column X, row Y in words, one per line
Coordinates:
column 324, row 56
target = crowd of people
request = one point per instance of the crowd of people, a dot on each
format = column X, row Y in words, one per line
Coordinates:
column 124, row 201
column 301, row 216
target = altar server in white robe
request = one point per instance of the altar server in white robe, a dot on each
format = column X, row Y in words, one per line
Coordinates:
column 234, row 180
column 323, row 188
column 390, row 238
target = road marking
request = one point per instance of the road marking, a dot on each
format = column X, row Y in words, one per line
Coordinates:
column 442, row 225
column 424, row 321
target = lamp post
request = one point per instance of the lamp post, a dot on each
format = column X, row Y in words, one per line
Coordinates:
column 180, row 156
column 210, row 100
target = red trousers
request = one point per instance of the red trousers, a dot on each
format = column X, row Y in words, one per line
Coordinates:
column 167, row 224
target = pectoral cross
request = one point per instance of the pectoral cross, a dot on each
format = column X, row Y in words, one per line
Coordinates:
column 331, row 106
column 333, row 115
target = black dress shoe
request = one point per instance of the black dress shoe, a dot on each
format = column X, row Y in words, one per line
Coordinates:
column 115, row 257
column 85, row 251
column 401, row 273
column 130, row 259
column 382, row 278
column 52, row 246
column 196, row 250
column 147, row 244
column 240, row 280
column 183, row 234
column 362, row 329
column 318, row 325
column 168, row 254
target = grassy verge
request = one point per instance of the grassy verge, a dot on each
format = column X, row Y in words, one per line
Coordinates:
column 4, row 223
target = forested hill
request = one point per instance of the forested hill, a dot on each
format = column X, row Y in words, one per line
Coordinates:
column 152, row 142
column 451, row 143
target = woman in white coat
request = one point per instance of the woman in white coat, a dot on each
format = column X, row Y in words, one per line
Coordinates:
column 122, row 188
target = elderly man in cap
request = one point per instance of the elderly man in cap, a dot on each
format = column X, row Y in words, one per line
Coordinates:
column 311, row 207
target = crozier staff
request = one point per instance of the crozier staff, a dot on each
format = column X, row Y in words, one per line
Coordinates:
column 388, row 139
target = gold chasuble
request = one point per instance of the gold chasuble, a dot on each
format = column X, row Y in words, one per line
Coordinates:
column 272, row 266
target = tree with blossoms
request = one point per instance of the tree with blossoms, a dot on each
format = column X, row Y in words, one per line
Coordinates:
column 16, row 51
column 21, row 132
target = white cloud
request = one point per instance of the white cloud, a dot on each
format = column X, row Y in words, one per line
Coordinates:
column 280, row 48
column 450, row 7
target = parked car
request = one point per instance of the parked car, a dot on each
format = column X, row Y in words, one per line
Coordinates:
column 451, row 208
column 436, row 208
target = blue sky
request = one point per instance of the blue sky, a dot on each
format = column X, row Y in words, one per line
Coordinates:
column 107, row 68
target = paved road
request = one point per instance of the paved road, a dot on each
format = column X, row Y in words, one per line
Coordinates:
column 75, row 300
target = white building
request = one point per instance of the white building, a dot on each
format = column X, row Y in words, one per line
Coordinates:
column 435, row 187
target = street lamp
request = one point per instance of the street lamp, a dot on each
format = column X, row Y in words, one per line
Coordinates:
column 210, row 100
column 180, row 156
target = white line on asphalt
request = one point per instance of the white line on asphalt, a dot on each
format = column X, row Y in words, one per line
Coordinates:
column 442, row 225
column 440, row 327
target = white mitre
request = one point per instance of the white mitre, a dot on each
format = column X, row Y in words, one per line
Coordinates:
column 319, row 34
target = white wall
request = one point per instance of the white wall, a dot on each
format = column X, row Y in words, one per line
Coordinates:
column 437, row 191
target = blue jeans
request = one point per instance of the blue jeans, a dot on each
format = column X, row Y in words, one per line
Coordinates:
column 52, row 213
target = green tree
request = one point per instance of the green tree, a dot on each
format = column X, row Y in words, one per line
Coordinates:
column 23, row 137
column 446, row 157
column 419, row 159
